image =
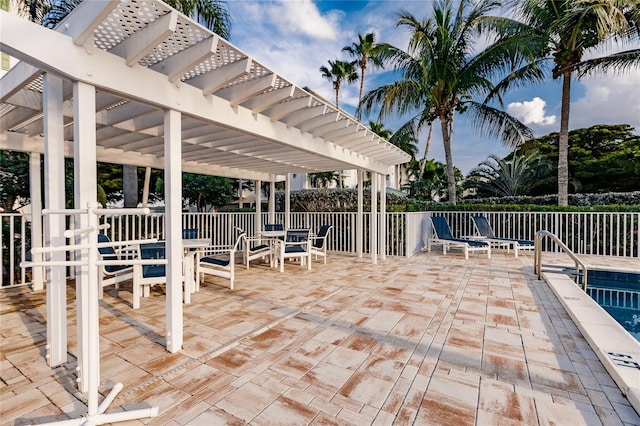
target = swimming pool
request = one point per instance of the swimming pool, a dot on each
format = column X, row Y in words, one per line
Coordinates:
column 619, row 294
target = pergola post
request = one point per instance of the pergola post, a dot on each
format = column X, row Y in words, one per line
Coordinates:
column 382, row 228
column 360, row 214
column 272, row 200
column 85, row 194
column 54, row 224
column 258, row 215
column 287, row 202
column 373, row 224
column 173, row 231
column 35, row 179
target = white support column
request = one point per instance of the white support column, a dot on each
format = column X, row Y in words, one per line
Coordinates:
column 360, row 215
column 382, row 229
column 240, row 203
column 145, row 190
column 35, row 179
column 173, row 231
column 258, row 217
column 287, row 202
column 54, row 225
column 373, row 224
column 85, row 193
column 272, row 200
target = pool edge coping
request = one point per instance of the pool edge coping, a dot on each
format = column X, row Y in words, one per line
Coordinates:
column 603, row 334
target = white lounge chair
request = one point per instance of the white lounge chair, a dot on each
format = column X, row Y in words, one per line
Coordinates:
column 486, row 232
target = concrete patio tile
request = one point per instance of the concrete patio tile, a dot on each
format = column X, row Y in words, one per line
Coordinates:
column 328, row 376
column 236, row 402
column 501, row 401
column 367, row 389
column 294, row 365
column 214, row 416
column 286, row 411
column 564, row 413
column 346, row 358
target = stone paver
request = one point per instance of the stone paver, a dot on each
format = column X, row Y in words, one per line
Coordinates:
column 430, row 339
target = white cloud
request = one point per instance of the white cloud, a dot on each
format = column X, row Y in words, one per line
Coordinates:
column 609, row 99
column 531, row 112
column 303, row 17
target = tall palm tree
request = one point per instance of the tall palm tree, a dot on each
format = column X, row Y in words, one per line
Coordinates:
column 338, row 72
column 364, row 51
column 443, row 70
column 572, row 30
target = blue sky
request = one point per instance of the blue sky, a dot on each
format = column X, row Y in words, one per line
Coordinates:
column 295, row 38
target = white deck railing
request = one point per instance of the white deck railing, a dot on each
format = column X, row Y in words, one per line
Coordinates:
column 610, row 233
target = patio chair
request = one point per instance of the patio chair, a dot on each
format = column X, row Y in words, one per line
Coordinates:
column 273, row 227
column 190, row 233
column 112, row 274
column 319, row 242
column 144, row 276
column 484, row 230
column 443, row 236
column 296, row 244
column 255, row 248
column 219, row 260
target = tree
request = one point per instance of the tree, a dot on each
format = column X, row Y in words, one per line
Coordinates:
column 212, row 14
column 203, row 191
column 602, row 158
column 570, row 31
column 429, row 182
column 506, row 177
column 443, row 70
column 14, row 180
column 364, row 51
column 323, row 179
column 337, row 72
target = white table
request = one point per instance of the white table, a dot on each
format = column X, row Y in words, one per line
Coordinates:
column 190, row 247
column 272, row 237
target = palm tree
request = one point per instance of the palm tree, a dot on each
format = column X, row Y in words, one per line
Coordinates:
column 323, row 179
column 571, row 30
column 443, row 69
column 507, row 177
column 337, row 72
column 212, row 14
column 364, row 51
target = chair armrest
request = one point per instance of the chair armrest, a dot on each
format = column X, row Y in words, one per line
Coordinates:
column 215, row 249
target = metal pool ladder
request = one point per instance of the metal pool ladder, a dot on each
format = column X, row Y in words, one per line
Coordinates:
column 580, row 267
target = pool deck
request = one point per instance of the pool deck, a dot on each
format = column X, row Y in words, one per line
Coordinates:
column 425, row 340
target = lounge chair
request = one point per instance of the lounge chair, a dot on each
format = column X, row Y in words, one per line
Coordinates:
column 486, row 232
column 219, row 260
column 443, row 236
column 319, row 242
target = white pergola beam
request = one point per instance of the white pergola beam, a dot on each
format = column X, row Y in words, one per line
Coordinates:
column 330, row 117
column 86, row 17
column 283, row 109
column 266, row 100
column 175, row 66
column 240, row 92
column 144, row 41
column 300, row 116
column 216, row 79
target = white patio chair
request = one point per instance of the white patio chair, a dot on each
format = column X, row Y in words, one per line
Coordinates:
column 296, row 244
column 319, row 243
column 112, row 274
column 219, row 260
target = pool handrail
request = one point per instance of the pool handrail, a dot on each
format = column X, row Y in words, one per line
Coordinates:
column 537, row 255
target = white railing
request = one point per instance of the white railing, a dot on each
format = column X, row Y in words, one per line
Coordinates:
column 602, row 233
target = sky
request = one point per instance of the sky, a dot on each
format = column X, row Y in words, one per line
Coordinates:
column 294, row 38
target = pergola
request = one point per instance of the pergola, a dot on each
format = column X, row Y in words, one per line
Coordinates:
column 135, row 82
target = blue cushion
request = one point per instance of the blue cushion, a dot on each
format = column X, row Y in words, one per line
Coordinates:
column 258, row 248
column 294, row 249
column 215, row 261
column 153, row 271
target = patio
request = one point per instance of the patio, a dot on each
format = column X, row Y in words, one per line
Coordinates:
column 429, row 339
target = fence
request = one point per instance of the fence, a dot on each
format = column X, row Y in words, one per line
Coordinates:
column 611, row 234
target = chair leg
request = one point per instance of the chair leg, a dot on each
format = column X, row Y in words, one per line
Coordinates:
column 136, row 295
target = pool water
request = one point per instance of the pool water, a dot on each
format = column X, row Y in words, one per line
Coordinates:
column 619, row 294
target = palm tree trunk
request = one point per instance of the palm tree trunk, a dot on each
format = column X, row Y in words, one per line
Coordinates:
column 563, row 142
column 359, row 115
column 426, row 150
column 446, row 140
